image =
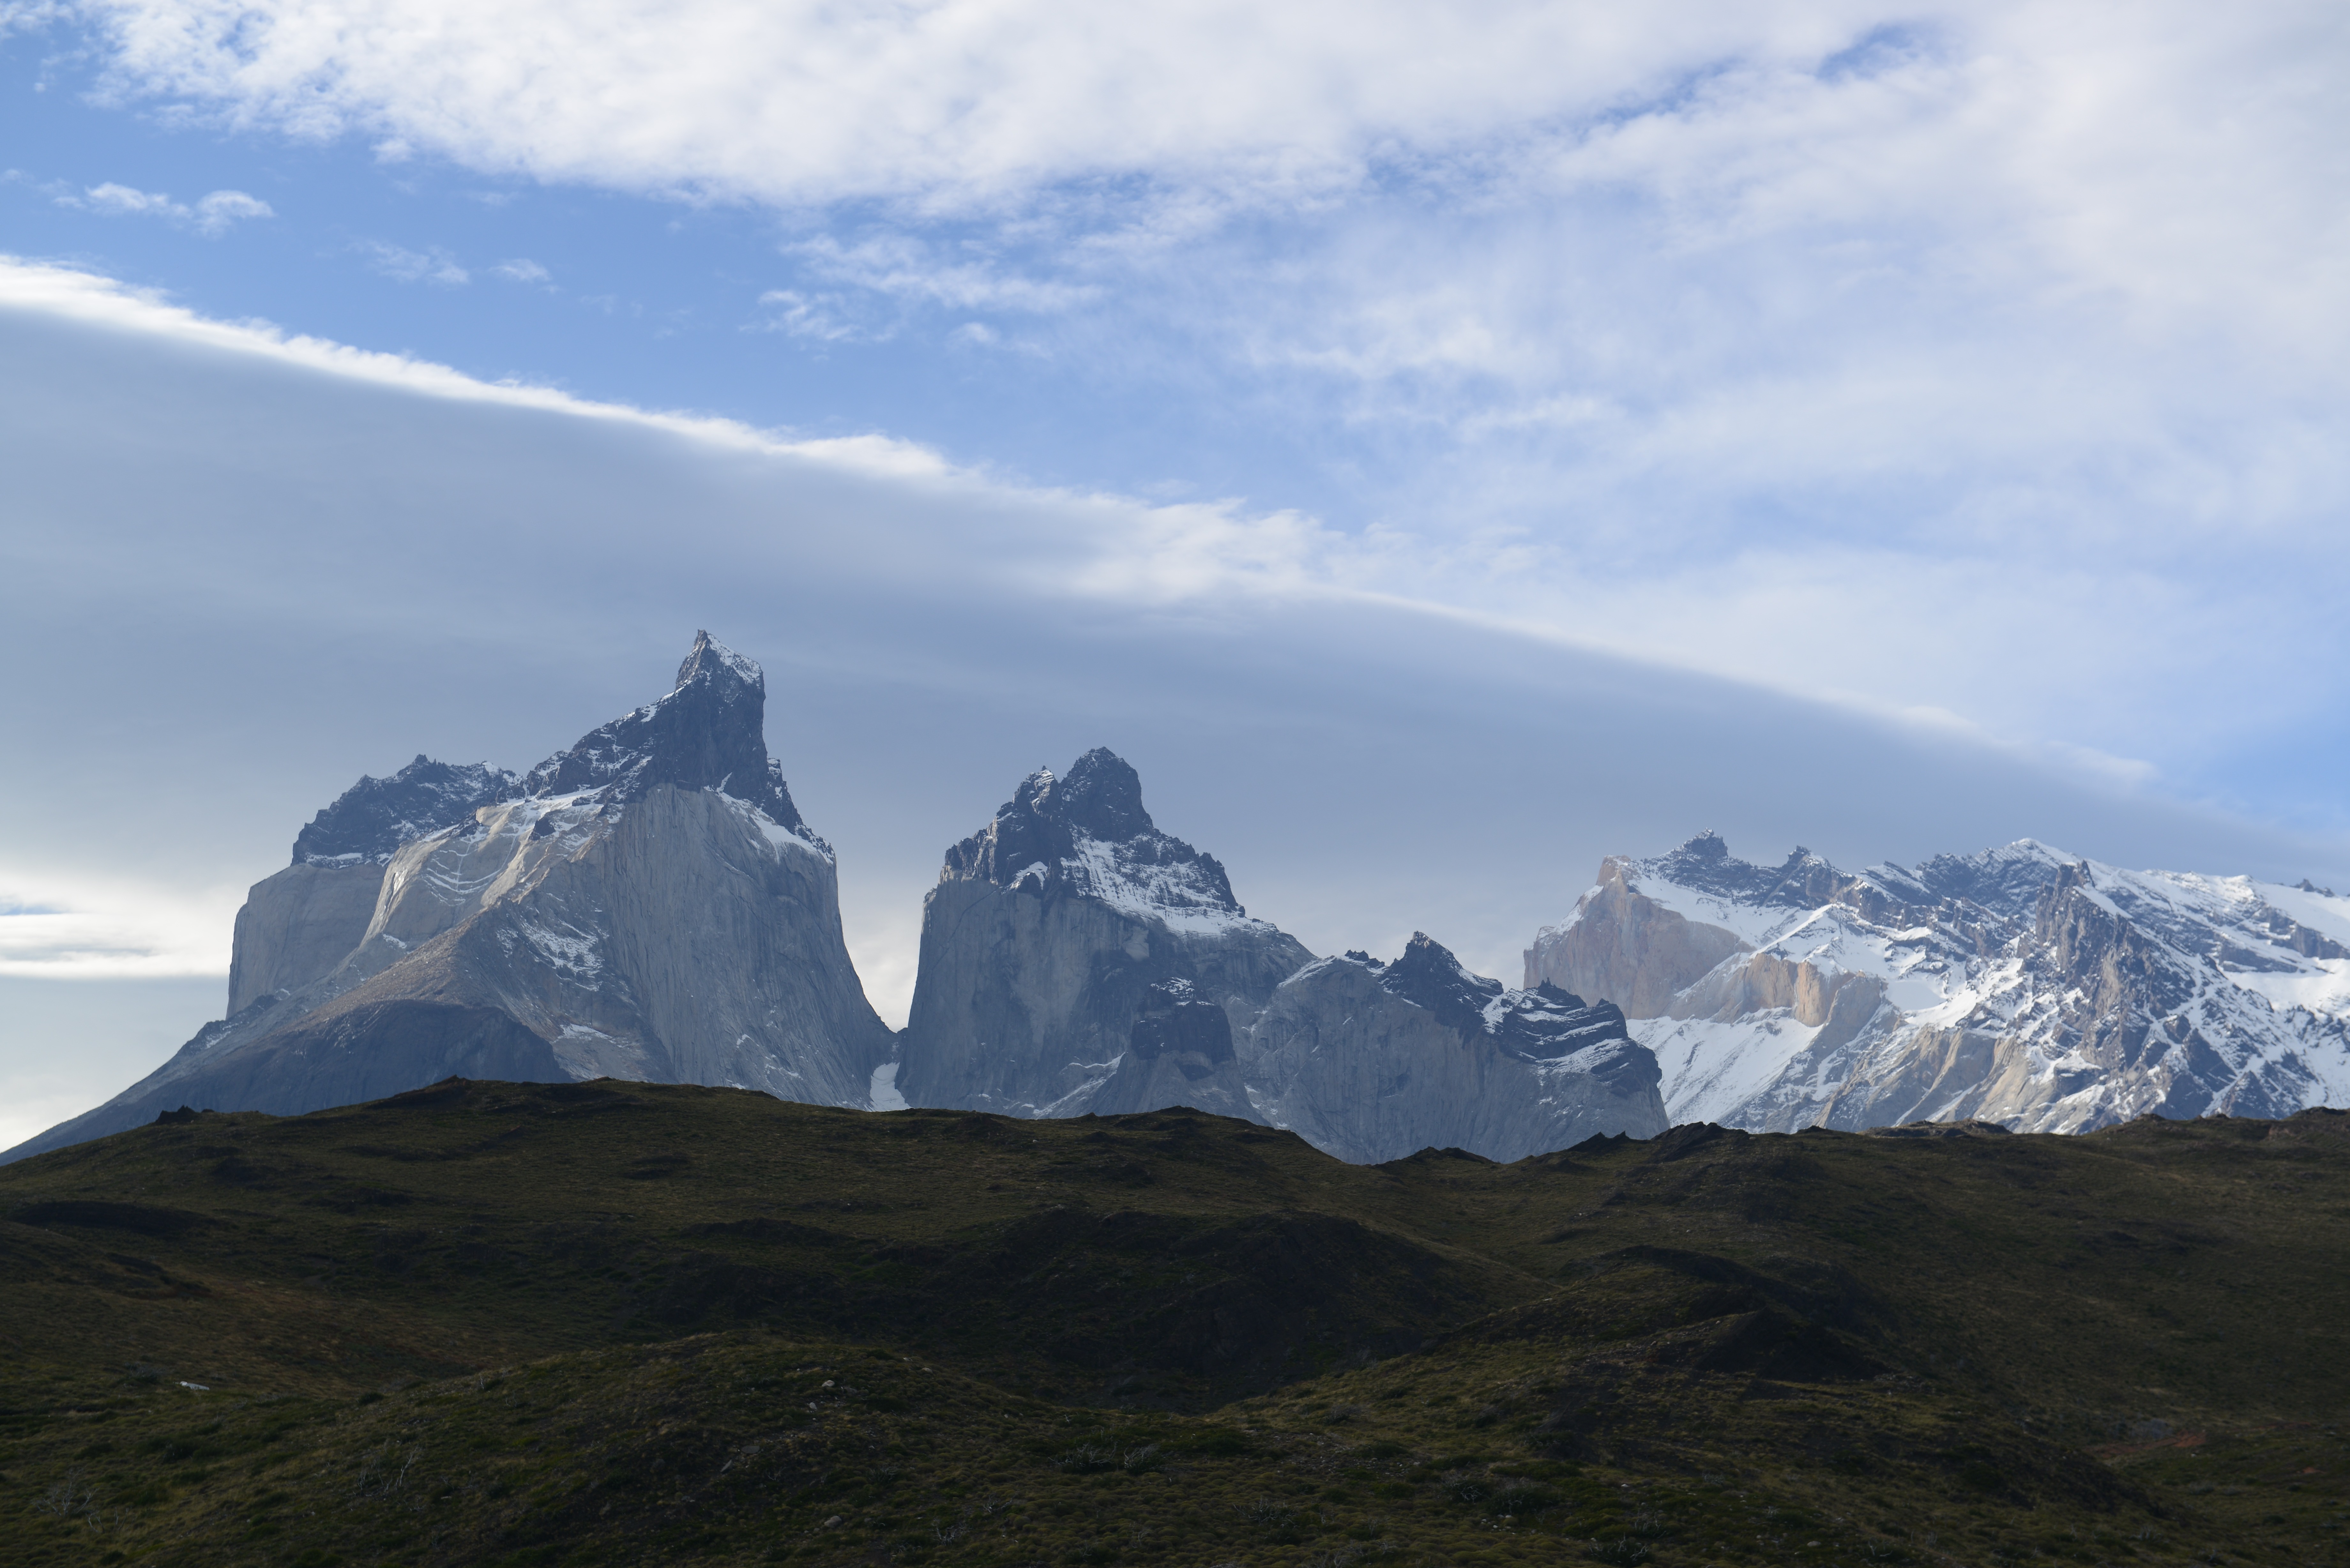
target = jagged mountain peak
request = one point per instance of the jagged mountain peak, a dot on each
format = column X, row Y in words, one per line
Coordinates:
column 2005, row 879
column 1704, row 846
column 1705, row 864
column 369, row 822
column 1537, row 1024
column 1099, row 798
column 1086, row 833
column 1102, row 797
column 710, row 660
column 708, row 733
column 1373, row 1060
column 1426, row 972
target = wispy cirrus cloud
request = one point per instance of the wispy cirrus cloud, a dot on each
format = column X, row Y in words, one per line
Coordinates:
column 71, row 927
column 211, row 216
column 432, row 265
column 905, row 267
column 813, row 319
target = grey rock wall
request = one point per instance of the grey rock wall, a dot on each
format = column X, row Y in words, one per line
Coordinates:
column 1071, row 955
column 296, row 926
column 1373, row 1062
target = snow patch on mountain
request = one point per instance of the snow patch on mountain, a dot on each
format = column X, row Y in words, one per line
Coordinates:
column 1141, row 879
column 778, row 838
column 1088, row 835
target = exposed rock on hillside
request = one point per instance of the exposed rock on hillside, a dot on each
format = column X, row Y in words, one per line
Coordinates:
column 647, row 904
column 2021, row 985
column 1373, row 1062
column 296, row 926
column 1077, row 959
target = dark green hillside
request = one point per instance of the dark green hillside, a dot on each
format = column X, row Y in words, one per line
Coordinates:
column 629, row 1324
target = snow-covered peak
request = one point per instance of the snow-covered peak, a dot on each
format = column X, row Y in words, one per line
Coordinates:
column 369, row 822
column 1702, row 881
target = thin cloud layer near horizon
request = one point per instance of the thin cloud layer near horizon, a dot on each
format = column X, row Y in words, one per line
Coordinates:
column 1887, row 431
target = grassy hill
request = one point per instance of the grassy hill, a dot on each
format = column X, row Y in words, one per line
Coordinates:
column 629, row 1324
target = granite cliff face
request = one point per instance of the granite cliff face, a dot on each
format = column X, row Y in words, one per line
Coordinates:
column 1372, row 1061
column 647, row 904
column 296, row 926
column 1077, row 959
column 2020, row 985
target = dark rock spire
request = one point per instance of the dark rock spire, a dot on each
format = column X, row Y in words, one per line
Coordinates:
column 708, row 732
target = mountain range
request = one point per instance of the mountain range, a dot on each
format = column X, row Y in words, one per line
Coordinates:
column 648, row 904
column 2021, row 985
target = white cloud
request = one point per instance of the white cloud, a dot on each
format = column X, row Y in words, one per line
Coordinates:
column 818, row 318
column 122, row 200
column 67, row 925
column 216, row 211
column 2092, row 662
column 2153, row 147
column 88, row 298
column 1697, row 330
column 798, row 102
column 903, row 267
column 214, row 215
column 522, row 269
column 28, row 15
column 433, row 265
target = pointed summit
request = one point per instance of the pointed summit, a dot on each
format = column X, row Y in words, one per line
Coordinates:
column 1705, row 846
column 710, row 660
column 1102, row 797
column 708, row 732
column 1087, row 831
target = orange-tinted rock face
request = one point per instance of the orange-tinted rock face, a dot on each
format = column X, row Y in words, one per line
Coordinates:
column 1628, row 949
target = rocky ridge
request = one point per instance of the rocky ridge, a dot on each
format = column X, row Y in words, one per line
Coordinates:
column 2021, row 985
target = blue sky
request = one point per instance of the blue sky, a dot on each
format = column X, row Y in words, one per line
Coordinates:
column 1884, row 429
